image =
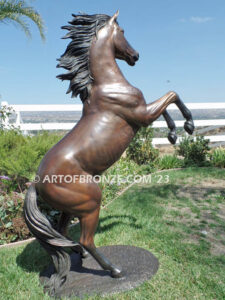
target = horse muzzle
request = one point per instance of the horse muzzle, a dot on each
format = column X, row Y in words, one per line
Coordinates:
column 131, row 59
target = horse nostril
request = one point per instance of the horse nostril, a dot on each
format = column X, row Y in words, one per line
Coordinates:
column 136, row 56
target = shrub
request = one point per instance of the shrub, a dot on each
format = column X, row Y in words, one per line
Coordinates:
column 12, row 224
column 141, row 150
column 193, row 150
column 217, row 157
column 124, row 168
column 20, row 155
column 169, row 162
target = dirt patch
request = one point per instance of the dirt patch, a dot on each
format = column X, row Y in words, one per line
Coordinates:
column 200, row 191
column 192, row 239
column 218, row 249
column 221, row 212
column 183, row 213
column 207, row 215
column 201, row 213
column 214, row 183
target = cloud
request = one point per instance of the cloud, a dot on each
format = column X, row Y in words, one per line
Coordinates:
column 198, row 20
column 201, row 19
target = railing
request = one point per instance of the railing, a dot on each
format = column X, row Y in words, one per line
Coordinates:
column 78, row 108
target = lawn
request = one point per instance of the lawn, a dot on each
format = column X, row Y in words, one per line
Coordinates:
column 181, row 220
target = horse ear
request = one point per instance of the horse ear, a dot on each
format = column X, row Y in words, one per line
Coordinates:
column 113, row 18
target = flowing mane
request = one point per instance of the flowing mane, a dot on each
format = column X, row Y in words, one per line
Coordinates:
column 76, row 57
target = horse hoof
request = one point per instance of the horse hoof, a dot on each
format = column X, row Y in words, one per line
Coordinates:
column 80, row 249
column 189, row 126
column 172, row 137
column 116, row 273
column 84, row 254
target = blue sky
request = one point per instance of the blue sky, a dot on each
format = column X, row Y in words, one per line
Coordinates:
column 181, row 45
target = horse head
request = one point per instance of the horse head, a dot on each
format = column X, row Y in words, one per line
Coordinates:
column 122, row 48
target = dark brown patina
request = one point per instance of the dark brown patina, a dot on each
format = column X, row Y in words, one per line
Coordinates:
column 113, row 111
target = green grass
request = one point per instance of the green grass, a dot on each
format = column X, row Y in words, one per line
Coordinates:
column 156, row 217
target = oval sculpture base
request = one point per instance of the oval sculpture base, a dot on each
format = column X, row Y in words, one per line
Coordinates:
column 86, row 277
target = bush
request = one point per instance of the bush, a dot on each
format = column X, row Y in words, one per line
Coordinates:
column 217, row 157
column 12, row 224
column 20, row 156
column 169, row 162
column 123, row 168
column 141, row 150
column 194, row 151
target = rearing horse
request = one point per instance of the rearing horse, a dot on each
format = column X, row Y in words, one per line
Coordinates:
column 113, row 111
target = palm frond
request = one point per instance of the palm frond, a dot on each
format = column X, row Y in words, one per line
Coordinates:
column 15, row 10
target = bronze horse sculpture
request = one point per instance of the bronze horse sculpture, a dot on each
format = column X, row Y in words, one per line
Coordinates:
column 113, row 111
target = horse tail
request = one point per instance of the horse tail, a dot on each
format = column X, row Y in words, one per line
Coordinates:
column 50, row 239
column 39, row 225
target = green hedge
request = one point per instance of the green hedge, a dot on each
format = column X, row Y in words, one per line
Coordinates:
column 20, row 156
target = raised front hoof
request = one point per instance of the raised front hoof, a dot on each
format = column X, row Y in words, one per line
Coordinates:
column 172, row 137
column 116, row 273
column 189, row 126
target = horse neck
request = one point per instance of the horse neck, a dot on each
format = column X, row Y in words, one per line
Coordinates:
column 103, row 66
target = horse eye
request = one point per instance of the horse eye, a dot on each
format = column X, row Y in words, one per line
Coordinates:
column 122, row 30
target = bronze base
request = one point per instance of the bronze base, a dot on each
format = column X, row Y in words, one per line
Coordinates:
column 86, row 277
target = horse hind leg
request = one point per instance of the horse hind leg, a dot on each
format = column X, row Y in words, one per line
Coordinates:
column 62, row 228
column 63, row 223
column 88, row 226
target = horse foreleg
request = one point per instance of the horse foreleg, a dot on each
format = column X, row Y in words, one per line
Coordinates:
column 188, row 125
column 172, row 137
column 158, row 107
column 88, row 226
